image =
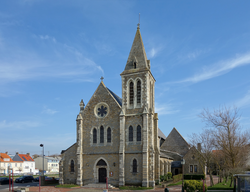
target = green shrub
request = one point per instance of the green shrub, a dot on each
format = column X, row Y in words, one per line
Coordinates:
column 193, row 185
column 194, row 177
column 162, row 178
column 165, row 177
column 177, row 178
column 157, row 182
column 169, row 175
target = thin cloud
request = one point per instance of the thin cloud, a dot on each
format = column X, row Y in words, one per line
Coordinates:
column 24, row 65
column 245, row 101
column 18, row 124
column 165, row 109
column 154, row 52
column 49, row 111
column 46, row 37
column 218, row 69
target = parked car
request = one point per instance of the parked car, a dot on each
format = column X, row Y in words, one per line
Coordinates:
column 5, row 180
column 24, row 179
column 36, row 179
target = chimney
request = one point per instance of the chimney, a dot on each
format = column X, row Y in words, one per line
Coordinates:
column 17, row 153
column 6, row 152
column 28, row 154
column 199, row 146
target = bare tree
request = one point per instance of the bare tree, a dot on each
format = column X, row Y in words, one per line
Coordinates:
column 228, row 136
column 204, row 152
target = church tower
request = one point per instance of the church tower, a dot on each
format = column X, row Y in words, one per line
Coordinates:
column 138, row 121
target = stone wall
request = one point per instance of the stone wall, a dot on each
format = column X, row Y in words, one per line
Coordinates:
column 68, row 176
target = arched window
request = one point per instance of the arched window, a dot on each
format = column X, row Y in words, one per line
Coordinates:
column 138, row 92
column 130, row 137
column 101, row 134
column 134, row 166
column 138, row 133
column 72, row 169
column 101, row 162
column 94, row 136
column 109, row 135
column 131, row 93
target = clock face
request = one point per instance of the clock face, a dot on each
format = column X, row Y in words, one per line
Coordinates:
column 101, row 110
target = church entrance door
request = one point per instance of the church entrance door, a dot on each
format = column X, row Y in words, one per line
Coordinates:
column 102, row 175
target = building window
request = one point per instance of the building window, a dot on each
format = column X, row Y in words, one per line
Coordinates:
column 109, row 135
column 138, row 133
column 72, row 166
column 138, row 92
column 195, row 168
column 134, row 166
column 130, row 137
column 101, row 134
column 131, row 93
column 191, row 168
column 94, row 135
column 15, row 164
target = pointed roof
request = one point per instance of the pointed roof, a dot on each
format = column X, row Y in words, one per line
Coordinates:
column 117, row 98
column 175, row 143
column 137, row 54
column 25, row 157
column 5, row 158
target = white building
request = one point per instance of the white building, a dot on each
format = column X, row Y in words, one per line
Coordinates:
column 28, row 164
column 6, row 162
column 51, row 164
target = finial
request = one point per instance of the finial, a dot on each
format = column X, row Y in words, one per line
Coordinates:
column 102, row 78
column 81, row 106
column 138, row 25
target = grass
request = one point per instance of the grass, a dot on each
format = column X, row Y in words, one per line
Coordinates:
column 134, row 188
column 66, row 186
column 223, row 185
column 173, row 184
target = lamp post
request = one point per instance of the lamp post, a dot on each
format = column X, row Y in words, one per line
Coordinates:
column 41, row 145
column 183, row 163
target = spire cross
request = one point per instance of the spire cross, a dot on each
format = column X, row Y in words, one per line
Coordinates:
column 138, row 25
column 102, row 78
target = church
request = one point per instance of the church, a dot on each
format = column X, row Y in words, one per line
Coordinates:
column 119, row 138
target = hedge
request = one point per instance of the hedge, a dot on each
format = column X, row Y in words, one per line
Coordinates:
column 177, row 178
column 194, row 177
column 193, row 185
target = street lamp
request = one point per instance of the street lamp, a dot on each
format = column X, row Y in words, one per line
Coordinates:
column 41, row 145
column 183, row 163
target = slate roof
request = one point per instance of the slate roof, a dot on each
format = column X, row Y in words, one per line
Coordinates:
column 176, row 164
column 117, row 98
column 161, row 134
column 164, row 155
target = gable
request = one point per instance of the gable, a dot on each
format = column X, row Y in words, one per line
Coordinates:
column 175, row 143
column 17, row 158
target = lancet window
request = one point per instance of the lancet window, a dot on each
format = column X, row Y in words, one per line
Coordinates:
column 138, row 92
column 94, row 135
column 131, row 93
column 130, row 138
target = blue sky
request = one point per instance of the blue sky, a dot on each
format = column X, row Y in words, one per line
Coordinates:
column 53, row 53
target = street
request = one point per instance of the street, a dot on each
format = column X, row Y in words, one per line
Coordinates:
column 6, row 186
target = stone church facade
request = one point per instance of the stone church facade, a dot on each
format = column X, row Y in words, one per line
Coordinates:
column 118, row 138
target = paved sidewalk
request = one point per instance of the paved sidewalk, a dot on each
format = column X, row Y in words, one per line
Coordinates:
column 157, row 189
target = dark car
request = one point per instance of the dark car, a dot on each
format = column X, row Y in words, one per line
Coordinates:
column 5, row 180
column 24, row 179
column 36, row 179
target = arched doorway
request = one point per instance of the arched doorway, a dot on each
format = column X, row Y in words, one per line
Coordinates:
column 102, row 175
column 102, row 171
